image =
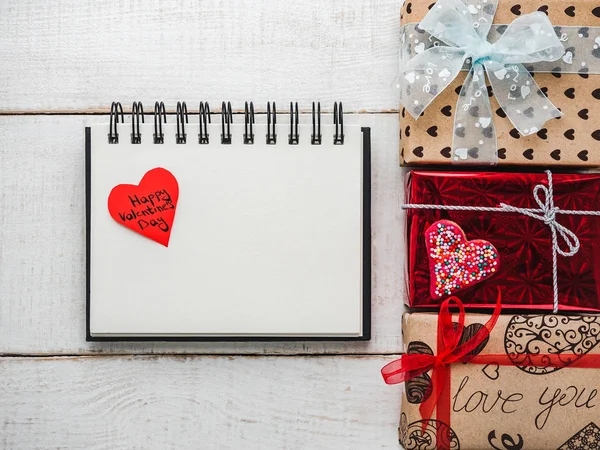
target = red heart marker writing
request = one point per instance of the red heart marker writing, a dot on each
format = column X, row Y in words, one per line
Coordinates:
column 147, row 208
column 456, row 263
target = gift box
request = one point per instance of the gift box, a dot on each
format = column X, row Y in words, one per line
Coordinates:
column 524, row 401
column 571, row 83
column 512, row 252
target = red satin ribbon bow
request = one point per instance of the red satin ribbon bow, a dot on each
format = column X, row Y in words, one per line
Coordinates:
column 449, row 352
column 410, row 366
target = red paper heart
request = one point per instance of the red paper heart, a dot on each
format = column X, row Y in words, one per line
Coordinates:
column 456, row 263
column 147, row 208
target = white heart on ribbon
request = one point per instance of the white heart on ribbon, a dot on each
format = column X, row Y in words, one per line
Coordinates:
column 536, row 28
column 410, row 77
column 525, row 91
column 500, row 74
column 445, row 73
column 473, row 10
column 462, row 153
column 568, row 58
column 420, row 48
column 485, row 121
column 597, row 40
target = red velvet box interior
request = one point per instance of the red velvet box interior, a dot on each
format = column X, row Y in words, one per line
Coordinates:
column 524, row 244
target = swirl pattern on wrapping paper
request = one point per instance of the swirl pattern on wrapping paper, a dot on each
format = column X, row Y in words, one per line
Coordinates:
column 585, row 439
column 569, row 337
column 436, row 433
column 403, row 429
column 419, row 388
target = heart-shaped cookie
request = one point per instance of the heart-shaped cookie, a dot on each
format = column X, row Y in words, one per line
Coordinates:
column 456, row 263
column 149, row 207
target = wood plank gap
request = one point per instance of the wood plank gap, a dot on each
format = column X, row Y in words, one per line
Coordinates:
column 8, row 356
column 191, row 112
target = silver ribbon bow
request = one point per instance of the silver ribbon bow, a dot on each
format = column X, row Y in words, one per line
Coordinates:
column 464, row 29
column 546, row 213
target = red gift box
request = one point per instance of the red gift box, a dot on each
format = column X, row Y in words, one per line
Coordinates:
column 524, row 244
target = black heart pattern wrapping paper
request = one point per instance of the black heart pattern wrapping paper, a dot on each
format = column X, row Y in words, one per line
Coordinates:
column 572, row 140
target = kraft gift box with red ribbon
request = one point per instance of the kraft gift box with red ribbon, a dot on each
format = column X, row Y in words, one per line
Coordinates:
column 504, row 382
column 438, row 108
column 535, row 237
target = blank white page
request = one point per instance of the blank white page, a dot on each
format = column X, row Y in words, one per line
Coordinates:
column 267, row 239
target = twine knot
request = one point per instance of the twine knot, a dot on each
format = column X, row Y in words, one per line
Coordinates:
column 547, row 214
column 550, row 216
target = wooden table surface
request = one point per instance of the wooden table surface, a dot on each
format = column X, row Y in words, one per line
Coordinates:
column 62, row 64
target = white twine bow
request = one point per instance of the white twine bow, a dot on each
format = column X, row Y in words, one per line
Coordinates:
column 464, row 29
column 546, row 213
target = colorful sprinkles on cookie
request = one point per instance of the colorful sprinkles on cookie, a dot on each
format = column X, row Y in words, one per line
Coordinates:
column 455, row 262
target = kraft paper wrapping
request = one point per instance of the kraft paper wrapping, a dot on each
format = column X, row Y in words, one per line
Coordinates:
column 510, row 407
column 572, row 140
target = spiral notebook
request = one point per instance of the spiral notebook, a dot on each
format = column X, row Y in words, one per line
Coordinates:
column 214, row 227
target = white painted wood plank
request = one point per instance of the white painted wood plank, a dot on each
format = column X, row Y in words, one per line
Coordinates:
column 42, row 244
column 82, row 55
column 197, row 403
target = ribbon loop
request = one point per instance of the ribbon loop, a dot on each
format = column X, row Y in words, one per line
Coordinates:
column 569, row 238
column 524, row 103
column 427, row 75
column 529, row 39
column 483, row 17
column 450, row 22
column 464, row 28
column 407, row 367
column 545, row 203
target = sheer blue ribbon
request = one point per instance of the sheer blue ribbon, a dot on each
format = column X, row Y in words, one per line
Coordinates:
column 464, row 29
